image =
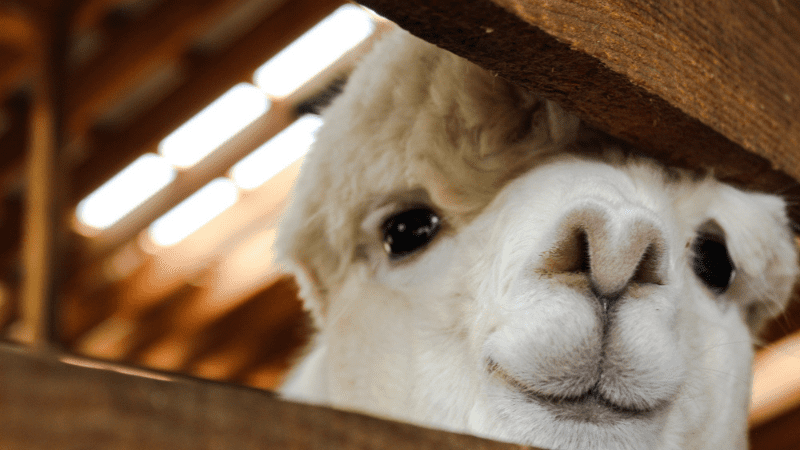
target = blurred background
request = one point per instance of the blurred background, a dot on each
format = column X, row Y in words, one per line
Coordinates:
column 183, row 127
column 147, row 150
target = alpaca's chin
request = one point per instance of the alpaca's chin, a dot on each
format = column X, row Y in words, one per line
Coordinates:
column 588, row 422
column 590, row 407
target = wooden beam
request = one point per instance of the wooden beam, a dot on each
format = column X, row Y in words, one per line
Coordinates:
column 282, row 112
column 50, row 404
column 17, row 29
column 776, row 384
column 255, row 317
column 121, row 338
column 43, row 242
column 280, row 115
column 209, row 78
column 207, row 254
column 142, row 46
column 16, row 67
column 701, row 85
column 269, row 326
column 14, row 140
column 91, row 13
column 777, row 434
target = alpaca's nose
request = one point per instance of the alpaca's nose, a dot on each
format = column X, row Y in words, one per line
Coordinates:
column 615, row 245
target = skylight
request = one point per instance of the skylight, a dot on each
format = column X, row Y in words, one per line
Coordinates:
column 276, row 154
column 194, row 212
column 212, row 126
column 124, row 192
column 315, row 50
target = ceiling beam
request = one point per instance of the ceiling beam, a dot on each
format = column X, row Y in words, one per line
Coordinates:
column 16, row 69
column 209, row 77
column 138, row 49
column 91, row 13
column 282, row 112
column 776, row 383
column 18, row 29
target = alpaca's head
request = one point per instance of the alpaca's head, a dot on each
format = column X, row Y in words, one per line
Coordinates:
column 475, row 261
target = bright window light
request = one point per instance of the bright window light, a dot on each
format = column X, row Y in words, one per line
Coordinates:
column 194, row 212
column 315, row 50
column 276, row 154
column 212, row 126
column 125, row 191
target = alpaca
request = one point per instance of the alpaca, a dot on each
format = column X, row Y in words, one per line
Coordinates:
column 476, row 259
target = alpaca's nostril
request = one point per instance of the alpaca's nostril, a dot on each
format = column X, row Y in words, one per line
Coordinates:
column 649, row 269
column 612, row 250
column 570, row 255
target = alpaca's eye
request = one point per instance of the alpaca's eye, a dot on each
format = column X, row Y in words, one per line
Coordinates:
column 712, row 263
column 409, row 231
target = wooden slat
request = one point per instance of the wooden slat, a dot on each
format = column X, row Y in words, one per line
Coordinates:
column 40, row 246
column 269, row 326
column 776, row 383
column 91, row 13
column 49, row 404
column 241, row 325
column 13, row 142
column 144, row 45
column 694, row 84
column 280, row 115
column 210, row 77
column 18, row 29
column 778, row 434
column 201, row 256
column 15, row 68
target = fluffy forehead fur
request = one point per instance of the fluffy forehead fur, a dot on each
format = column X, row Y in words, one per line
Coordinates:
column 451, row 129
column 501, row 326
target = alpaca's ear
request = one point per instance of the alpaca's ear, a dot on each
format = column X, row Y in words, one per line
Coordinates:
column 303, row 250
column 563, row 126
column 764, row 252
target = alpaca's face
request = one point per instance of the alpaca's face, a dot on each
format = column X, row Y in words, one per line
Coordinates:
column 470, row 266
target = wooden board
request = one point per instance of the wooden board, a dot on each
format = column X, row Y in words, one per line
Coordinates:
column 695, row 84
column 48, row 404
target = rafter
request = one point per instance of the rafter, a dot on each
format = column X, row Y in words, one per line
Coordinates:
column 208, row 78
column 140, row 48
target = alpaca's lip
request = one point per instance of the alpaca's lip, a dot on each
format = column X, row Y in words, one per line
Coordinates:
column 588, row 407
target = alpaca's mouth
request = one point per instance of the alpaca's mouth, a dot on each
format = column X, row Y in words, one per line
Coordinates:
column 590, row 406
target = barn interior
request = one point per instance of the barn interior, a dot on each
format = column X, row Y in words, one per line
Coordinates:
column 147, row 150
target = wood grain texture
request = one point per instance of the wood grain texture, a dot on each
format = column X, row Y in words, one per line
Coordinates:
column 712, row 85
column 47, row 404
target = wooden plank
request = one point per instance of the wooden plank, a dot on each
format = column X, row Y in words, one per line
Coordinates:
column 695, row 84
column 210, row 77
column 48, row 404
column 140, row 48
column 15, row 68
column 13, row 141
column 91, row 13
column 269, row 326
column 209, row 255
column 776, row 381
column 280, row 115
column 42, row 206
column 778, row 434
column 17, row 29
column 245, row 327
